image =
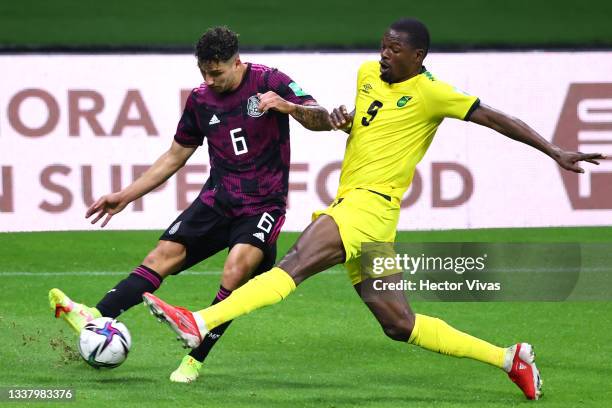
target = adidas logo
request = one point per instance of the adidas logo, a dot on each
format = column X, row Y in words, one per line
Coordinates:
column 522, row 366
column 260, row 235
column 214, row 120
column 174, row 228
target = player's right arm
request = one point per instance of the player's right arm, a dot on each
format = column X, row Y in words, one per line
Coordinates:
column 188, row 137
column 163, row 168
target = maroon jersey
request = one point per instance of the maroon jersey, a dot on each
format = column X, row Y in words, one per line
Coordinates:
column 249, row 150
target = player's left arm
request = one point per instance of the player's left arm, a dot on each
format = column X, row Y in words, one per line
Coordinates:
column 518, row 130
column 311, row 115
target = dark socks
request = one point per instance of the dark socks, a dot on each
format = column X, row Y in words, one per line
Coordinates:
column 128, row 292
column 215, row 334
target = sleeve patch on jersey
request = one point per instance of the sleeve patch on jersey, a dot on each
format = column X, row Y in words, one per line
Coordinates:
column 296, row 89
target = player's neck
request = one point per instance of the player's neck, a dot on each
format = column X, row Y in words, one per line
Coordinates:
column 411, row 74
column 239, row 76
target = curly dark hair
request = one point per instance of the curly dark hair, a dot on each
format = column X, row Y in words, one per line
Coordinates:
column 217, row 44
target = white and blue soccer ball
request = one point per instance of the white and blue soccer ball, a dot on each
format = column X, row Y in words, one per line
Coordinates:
column 104, row 342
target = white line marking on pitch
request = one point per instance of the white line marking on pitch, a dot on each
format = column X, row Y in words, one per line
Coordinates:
column 117, row 273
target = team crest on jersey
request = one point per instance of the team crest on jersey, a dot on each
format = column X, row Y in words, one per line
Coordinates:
column 252, row 107
column 401, row 102
column 366, row 88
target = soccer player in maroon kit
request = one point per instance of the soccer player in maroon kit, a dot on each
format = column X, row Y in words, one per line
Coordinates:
column 242, row 110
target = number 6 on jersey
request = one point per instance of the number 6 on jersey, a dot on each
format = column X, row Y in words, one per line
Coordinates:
column 239, row 142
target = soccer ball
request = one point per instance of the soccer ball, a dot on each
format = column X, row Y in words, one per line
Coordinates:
column 104, row 342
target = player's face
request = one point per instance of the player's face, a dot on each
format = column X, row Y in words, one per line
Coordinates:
column 221, row 76
column 398, row 59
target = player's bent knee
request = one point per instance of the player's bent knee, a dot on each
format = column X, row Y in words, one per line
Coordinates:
column 168, row 250
column 166, row 257
column 399, row 330
column 235, row 275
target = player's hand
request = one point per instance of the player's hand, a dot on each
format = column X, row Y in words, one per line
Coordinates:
column 271, row 100
column 341, row 119
column 570, row 160
column 108, row 205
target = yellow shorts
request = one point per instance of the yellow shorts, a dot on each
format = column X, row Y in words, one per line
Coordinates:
column 362, row 216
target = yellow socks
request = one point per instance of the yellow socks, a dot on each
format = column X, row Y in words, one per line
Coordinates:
column 436, row 335
column 428, row 332
column 266, row 289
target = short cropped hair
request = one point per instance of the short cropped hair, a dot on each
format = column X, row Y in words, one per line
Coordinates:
column 418, row 34
column 217, row 44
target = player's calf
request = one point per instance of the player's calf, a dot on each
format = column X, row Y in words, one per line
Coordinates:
column 394, row 315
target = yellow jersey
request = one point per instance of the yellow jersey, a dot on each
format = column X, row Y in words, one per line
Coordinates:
column 393, row 126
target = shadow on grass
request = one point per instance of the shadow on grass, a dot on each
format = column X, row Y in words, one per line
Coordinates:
column 385, row 389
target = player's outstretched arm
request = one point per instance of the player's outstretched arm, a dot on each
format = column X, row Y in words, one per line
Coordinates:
column 310, row 115
column 164, row 167
column 518, row 130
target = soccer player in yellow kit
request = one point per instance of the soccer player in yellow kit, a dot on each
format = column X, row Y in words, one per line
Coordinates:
column 398, row 109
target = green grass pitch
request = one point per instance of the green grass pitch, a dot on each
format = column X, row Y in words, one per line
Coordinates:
column 319, row 348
